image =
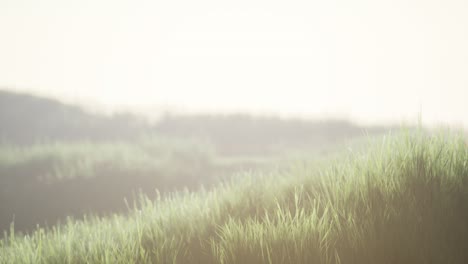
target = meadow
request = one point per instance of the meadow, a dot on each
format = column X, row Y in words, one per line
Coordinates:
column 59, row 161
column 403, row 199
column 46, row 182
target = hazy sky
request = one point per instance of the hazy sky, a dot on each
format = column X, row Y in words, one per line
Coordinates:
column 364, row 59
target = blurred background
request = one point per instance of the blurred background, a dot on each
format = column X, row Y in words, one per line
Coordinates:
column 102, row 100
column 366, row 61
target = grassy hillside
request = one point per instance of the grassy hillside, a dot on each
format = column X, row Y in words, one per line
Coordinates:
column 44, row 183
column 58, row 160
column 403, row 201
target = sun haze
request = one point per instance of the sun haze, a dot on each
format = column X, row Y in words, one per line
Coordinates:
column 369, row 61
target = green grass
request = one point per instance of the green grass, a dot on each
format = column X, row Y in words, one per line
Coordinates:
column 45, row 182
column 405, row 200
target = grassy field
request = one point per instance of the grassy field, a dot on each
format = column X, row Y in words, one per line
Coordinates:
column 403, row 200
column 46, row 182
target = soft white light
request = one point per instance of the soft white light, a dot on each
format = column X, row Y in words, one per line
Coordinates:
column 367, row 60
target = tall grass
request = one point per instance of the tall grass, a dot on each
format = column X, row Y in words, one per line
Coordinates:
column 45, row 182
column 403, row 201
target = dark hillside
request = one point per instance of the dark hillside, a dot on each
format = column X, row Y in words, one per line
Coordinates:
column 241, row 133
column 26, row 119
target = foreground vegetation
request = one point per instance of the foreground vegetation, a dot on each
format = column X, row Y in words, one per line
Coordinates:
column 404, row 201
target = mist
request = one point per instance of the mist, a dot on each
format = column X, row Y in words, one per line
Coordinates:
column 371, row 62
column 233, row 131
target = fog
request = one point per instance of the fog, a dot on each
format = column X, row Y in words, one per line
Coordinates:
column 247, row 131
column 368, row 61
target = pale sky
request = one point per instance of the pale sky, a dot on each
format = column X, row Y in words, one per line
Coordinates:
column 367, row 60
